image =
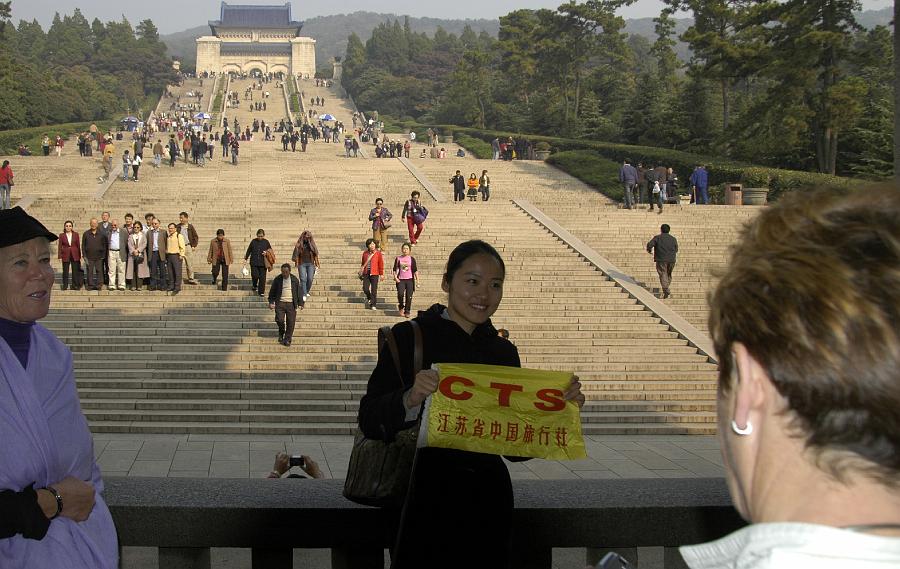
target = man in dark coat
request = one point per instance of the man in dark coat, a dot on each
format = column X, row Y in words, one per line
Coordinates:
column 93, row 249
column 284, row 298
column 664, row 248
column 459, row 187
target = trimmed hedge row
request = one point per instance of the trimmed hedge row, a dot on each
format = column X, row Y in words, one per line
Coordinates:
column 721, row 170
column 476, row 146
column 11, row 139
column 590, row 169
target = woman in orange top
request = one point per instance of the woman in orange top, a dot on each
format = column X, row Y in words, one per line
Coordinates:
column 472, row 184
column 370, row 271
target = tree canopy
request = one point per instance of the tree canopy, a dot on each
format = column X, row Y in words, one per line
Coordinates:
column 787, row 83
column 78, row 70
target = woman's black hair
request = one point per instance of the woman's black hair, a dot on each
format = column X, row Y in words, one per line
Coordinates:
column 465, row 250
column 369, row 241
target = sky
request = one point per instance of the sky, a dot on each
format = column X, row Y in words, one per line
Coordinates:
column 177, row 15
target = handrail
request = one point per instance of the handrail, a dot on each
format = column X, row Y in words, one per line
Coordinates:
column 675, row 321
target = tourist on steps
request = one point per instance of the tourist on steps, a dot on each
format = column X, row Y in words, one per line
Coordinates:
column 664, row 248
column 415, row 214
column 256, row 255
column 220, row 256
column 137, row 269
column 406, row 276
column 6, row 184
column 284, row 298
column 52, row 511
column 484, row 185
column 808, row 394
column 628, row 177
column 472, row 184
column 452, row 486
column 69, row 253
column 458, row 181
column 306, row 259
column 126, row 165
column 381, row 218
column 175, row 250
column 370, row 271
column 192, row 241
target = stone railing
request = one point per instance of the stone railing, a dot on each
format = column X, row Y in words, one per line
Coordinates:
column 184, row 518
column 212, row 96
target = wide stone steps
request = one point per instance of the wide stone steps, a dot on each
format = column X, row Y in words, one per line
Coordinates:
column 206, row 361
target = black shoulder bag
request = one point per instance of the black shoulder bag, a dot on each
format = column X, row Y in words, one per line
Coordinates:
column 379, row 471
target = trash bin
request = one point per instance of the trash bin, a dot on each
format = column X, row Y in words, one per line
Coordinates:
column 733, row 194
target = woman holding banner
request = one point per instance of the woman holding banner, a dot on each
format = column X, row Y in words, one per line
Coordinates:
column 460, row 503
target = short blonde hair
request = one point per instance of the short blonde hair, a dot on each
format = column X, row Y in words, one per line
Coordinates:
column 813, row 291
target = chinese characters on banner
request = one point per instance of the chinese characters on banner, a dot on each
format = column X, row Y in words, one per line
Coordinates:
column 503, row 410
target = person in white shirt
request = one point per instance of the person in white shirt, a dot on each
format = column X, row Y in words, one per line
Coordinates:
column 117, row 251
column 805, row 326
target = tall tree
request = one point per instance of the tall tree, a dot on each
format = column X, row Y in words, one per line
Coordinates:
column 518, row 46
column 808, row 42
column 582, row 30
column 716, row 42
column 663, row 49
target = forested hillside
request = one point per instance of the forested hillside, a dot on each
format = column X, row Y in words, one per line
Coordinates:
column 78, row 70
column 331, row 32
column 757, row 88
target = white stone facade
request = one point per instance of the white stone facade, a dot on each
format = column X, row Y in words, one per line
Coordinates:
column 233, row 49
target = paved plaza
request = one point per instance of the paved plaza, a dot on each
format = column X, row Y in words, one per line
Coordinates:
column 236, row 456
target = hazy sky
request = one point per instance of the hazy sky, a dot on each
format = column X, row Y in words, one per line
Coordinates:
column 177, row 15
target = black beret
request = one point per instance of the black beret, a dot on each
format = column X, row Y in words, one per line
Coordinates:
column 16, row 226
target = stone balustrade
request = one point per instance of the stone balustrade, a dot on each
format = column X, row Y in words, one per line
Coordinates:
column 184, row 518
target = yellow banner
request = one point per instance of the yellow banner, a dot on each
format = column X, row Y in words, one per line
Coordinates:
column 503, row 410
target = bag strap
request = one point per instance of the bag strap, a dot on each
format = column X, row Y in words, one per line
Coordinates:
column 386, row 335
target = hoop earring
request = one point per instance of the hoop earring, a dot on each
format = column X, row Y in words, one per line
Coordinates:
column 743, row 432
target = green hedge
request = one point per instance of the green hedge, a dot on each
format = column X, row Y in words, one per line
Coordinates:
column 721, row 170
column 591, row 169
column 475, row 146
column 11, row 139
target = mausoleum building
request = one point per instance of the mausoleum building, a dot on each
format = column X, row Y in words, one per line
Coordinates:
column 256, row 38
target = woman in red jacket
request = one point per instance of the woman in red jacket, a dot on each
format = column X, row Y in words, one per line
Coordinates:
column 69, row 252
column 370, row 271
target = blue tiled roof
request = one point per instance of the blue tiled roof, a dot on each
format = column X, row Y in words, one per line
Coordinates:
column 244, row 16
column 234, row 48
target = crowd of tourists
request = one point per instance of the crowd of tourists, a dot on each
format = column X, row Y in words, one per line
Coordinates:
column 469, row 188
column 656, row 185
column 808, row 406
column 404, row 268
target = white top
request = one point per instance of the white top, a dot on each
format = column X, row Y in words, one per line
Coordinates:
column 795, row 546
column 286, row 293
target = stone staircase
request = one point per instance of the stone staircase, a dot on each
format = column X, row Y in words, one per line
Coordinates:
column 207, row 361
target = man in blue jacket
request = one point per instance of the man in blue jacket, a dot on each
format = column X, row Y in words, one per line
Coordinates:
column 700, row 184
column 628, row 176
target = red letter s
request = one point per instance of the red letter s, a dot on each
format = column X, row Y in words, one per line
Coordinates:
column 553, row 399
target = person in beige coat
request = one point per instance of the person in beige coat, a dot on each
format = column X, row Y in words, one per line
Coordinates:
column 137, row 246
column 220, row 257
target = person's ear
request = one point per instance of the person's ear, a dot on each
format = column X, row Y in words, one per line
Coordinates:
column 749, row 398
column 445, row 286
